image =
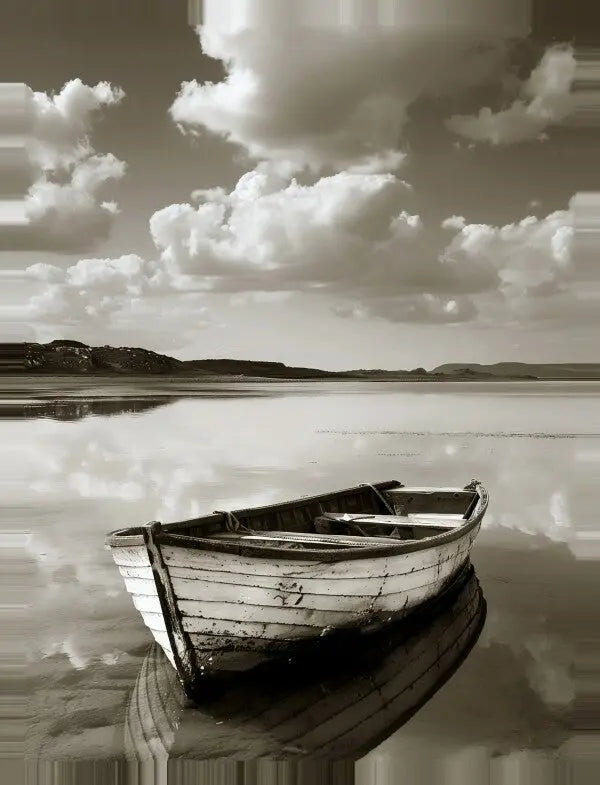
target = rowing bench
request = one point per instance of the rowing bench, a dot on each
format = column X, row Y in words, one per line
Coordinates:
column 394, row 523
column 305, row 539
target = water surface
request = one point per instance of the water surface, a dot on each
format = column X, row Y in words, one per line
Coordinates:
column 81, row 462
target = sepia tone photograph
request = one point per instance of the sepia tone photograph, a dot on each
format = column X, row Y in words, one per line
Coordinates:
column 300, row 392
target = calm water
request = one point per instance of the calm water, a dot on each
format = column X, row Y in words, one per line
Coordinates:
column 78, row 468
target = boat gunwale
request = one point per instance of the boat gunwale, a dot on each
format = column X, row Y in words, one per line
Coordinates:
column 132, row 537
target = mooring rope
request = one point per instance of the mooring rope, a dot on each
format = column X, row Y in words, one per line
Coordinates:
column 233, row 523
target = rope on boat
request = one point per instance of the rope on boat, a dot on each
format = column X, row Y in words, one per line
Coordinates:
column 380, row 496
column 232, row 522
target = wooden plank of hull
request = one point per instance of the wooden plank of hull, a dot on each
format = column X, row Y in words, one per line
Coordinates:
column 135, row 556
column 136, row 559
column 204, row 598
column 237, row 620
column 236, row 646
column 229, row 586
column 239, row 642
column 356, row 568
column 242, row 619
column 163, row 641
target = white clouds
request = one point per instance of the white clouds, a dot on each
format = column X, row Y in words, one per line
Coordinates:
column 103, row 278
column 60, row 123
column 91, row 291
column 454, row 222
column 347, row 234
column 73, row 214
column 352, row 237
column 349, row 238
column 65, row 206
column 539, row 278
column 545, row 100
column 121, row 300
column 336, row 100
column 296, row 232
column 525, row 255
column 336, row 95
column 320, row 97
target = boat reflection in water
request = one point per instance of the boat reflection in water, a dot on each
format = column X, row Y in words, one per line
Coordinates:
column 335, row 705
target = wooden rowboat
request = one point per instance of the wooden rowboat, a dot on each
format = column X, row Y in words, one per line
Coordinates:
column 329, row 705
column 233, row 589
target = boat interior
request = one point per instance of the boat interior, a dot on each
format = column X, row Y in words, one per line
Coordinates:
column 364, row 516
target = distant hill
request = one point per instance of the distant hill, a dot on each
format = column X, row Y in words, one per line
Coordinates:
column 270, row 370
column 64, row 357
column 73, row 357
column 536, row 370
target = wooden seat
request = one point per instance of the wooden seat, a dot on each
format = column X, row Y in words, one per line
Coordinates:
column 412, row 520
column 431, row 500
column 304, row 538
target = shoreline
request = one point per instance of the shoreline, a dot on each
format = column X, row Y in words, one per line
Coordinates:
column 211, row 378
column 20, row 389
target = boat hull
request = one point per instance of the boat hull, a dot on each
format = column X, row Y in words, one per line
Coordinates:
column 237, row 611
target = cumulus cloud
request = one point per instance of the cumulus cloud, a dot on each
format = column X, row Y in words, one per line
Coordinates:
column 73, row 214
column 349, row 234
column 531, row 259
column 333, row 94
column 355, row 237
column 270, row 224
column 454, row 222
column 61, row 122
column 544, row 101
column 355, row 233
column 349, row 237
column 92, row 287
column 66, row 205
column 128, row 299
column 540, row 277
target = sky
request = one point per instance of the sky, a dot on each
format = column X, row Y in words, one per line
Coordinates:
column 339, row 184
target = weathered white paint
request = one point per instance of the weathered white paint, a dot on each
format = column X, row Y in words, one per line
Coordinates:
column 163, row 641
column 236, row 618
column 136, row 556
column 369, row 567
column 229, row 601
column 136, row 560
column 196, row 595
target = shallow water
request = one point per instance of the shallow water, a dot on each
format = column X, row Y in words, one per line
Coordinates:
column 109, row 457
